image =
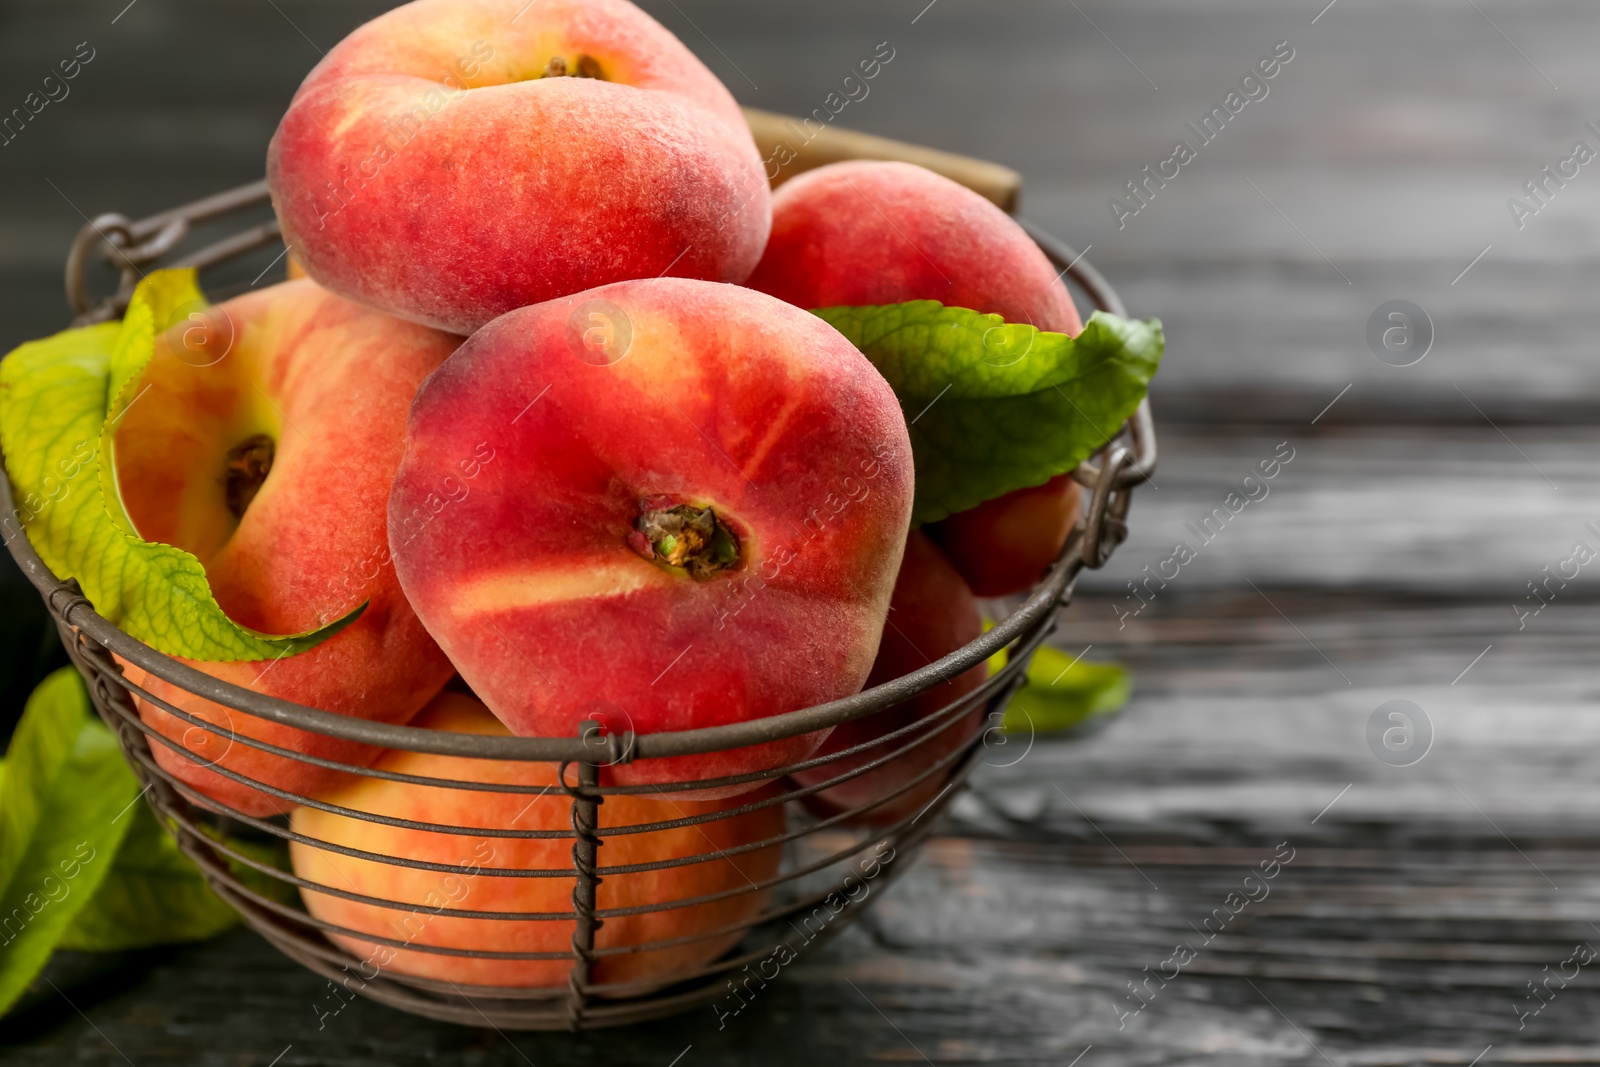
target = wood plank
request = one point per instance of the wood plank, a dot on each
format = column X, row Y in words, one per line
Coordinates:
column 1460, row 511
column 990, row 952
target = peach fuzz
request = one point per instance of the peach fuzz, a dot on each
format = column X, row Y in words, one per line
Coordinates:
column 427, row 896
column 932, row 614
column 866, row 233
column 695, row 516
column 862, row 233
column 265, row 444
column 434, row 164
column 1004, row 545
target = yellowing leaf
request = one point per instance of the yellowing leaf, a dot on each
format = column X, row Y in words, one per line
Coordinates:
column 55, row 427
column 1063, row 692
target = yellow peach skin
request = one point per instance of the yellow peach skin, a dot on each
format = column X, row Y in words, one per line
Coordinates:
column 426, row 897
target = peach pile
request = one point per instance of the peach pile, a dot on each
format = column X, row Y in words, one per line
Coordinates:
column 548, row 432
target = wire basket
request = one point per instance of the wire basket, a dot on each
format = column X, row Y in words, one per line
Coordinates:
column 830, row 868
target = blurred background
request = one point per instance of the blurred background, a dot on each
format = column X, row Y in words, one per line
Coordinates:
column 1395, row 557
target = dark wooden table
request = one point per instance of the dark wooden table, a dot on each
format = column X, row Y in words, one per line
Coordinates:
column 1422, row 903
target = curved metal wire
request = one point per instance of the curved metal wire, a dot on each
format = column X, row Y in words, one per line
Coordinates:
column 823, row 852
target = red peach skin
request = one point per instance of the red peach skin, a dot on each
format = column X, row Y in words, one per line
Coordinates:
column 426, row 894
column 431, row 167
column 885, row 233
column 330, row 382
column 1004, row 545
column 932, row 614
column 545, row 578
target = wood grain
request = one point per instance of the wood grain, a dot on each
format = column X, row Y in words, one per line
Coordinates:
column 1384, row 564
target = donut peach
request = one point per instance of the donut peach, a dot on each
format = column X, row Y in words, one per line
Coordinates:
column 264, row 443
column 452, row 160
column 696, row 509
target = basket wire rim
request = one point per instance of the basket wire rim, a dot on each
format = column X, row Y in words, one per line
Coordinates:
column 1125, row 460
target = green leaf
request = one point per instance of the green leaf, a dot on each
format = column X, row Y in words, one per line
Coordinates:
column 65, row 806
column 56, row 396
column 995, row 407
column 52, row 405
column 1063, row 692
column 154, row 896
column 159, row 302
